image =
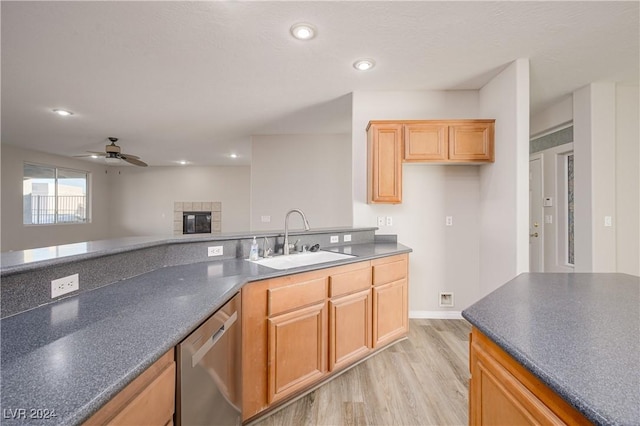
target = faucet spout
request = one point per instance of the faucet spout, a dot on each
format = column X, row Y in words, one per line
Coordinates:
column 285, row 248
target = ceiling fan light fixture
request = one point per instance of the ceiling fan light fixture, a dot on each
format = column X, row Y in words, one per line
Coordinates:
column 62, row 112
column 112, row 160
column 364, row 64
column 303, row 31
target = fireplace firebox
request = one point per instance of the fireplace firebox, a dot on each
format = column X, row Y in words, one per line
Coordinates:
column 196, row 222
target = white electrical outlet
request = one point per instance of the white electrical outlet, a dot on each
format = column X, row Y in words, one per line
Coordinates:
column 214, row 251
column 64, row 285
column 607, row 221
column 389, row 221
column 548, row 218
column 265, row 219
column 449, row 220
column 335, row 239
column 380, row 220
column 347, row 238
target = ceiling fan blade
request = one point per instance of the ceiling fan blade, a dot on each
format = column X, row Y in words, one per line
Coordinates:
column 133, row 161
column 130, row 155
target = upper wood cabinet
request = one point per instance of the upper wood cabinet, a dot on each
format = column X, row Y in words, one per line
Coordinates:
column 426, row 142
column 390, row 143
column 384, row 165
column 471, row 141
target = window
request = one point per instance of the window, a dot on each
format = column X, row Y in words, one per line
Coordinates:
column 566, row 242
column 54, row 195
column 570, row 211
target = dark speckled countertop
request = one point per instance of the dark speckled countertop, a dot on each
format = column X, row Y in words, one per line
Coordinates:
column 578, row 333
column 74, row 355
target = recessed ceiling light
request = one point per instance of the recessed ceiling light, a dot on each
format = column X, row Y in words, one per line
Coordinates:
column 233, row 155
column 183, row 162
column 364, row 64
column 62, row 112
column 303, row 31
column 94, row 156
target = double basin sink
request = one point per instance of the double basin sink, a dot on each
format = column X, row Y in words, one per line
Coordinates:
column 301, row 259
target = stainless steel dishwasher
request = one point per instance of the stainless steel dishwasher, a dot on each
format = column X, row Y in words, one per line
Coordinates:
column 209, row 379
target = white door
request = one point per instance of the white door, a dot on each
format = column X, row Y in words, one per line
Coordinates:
column 536, row 246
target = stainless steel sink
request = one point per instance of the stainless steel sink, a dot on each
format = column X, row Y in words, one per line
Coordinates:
column 301, row 259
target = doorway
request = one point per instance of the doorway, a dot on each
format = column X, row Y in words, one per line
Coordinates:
column 536, row 234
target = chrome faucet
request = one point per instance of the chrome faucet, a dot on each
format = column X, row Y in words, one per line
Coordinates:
column 285, row 248
column 266, row 249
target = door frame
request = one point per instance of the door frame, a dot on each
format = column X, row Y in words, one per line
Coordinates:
column 532, row 157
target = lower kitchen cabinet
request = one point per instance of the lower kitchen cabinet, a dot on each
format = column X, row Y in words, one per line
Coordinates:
column 349, row 316
column 297, row 350
column 299, row 329
column 390, row 302
column 501, row 391
column 148, row 400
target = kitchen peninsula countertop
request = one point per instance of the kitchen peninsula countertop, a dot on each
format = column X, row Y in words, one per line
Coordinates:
column 578, row 333
column 72, row 356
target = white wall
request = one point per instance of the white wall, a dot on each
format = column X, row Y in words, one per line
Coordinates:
column 16, row 236
column 309, row 172
column 504, row 185
column 594, row 123
column 142, row 198
column 556, row 115
column 443, row 259
column 627, row 164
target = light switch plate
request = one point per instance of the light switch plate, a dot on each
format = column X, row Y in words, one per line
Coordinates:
column 380, row 220
column 448, row 220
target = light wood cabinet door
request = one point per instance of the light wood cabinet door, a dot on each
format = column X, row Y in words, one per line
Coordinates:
column 148, row 400
column 390, row 313
column 471, row 142
column 349, row 328
column 297, row 350
column 384, row 165
column 502, row 392
column 426, row 142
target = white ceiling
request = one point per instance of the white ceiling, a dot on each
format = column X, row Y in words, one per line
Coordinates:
column 193, row 80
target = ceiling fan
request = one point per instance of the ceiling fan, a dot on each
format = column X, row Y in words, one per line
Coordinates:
column 112, row 154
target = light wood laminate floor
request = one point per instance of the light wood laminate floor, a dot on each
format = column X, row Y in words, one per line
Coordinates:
column 420, row 381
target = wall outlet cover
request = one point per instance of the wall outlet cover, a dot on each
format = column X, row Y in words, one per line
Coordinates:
column 347, row 238
column 335, row 239
column 64, row 285
column 215, row 251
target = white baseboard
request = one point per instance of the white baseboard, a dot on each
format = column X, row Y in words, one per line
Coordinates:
column 436, row 314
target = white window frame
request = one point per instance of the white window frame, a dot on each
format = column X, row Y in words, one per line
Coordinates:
column 87, row 198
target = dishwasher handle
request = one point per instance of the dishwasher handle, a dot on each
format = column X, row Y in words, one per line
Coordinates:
column 200, row 353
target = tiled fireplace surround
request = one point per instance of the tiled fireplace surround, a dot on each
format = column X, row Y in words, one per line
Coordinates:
column 215, row 207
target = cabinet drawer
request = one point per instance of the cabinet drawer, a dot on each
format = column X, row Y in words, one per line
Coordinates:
column 295, row 296
column 350, row 282
column 388, row 272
